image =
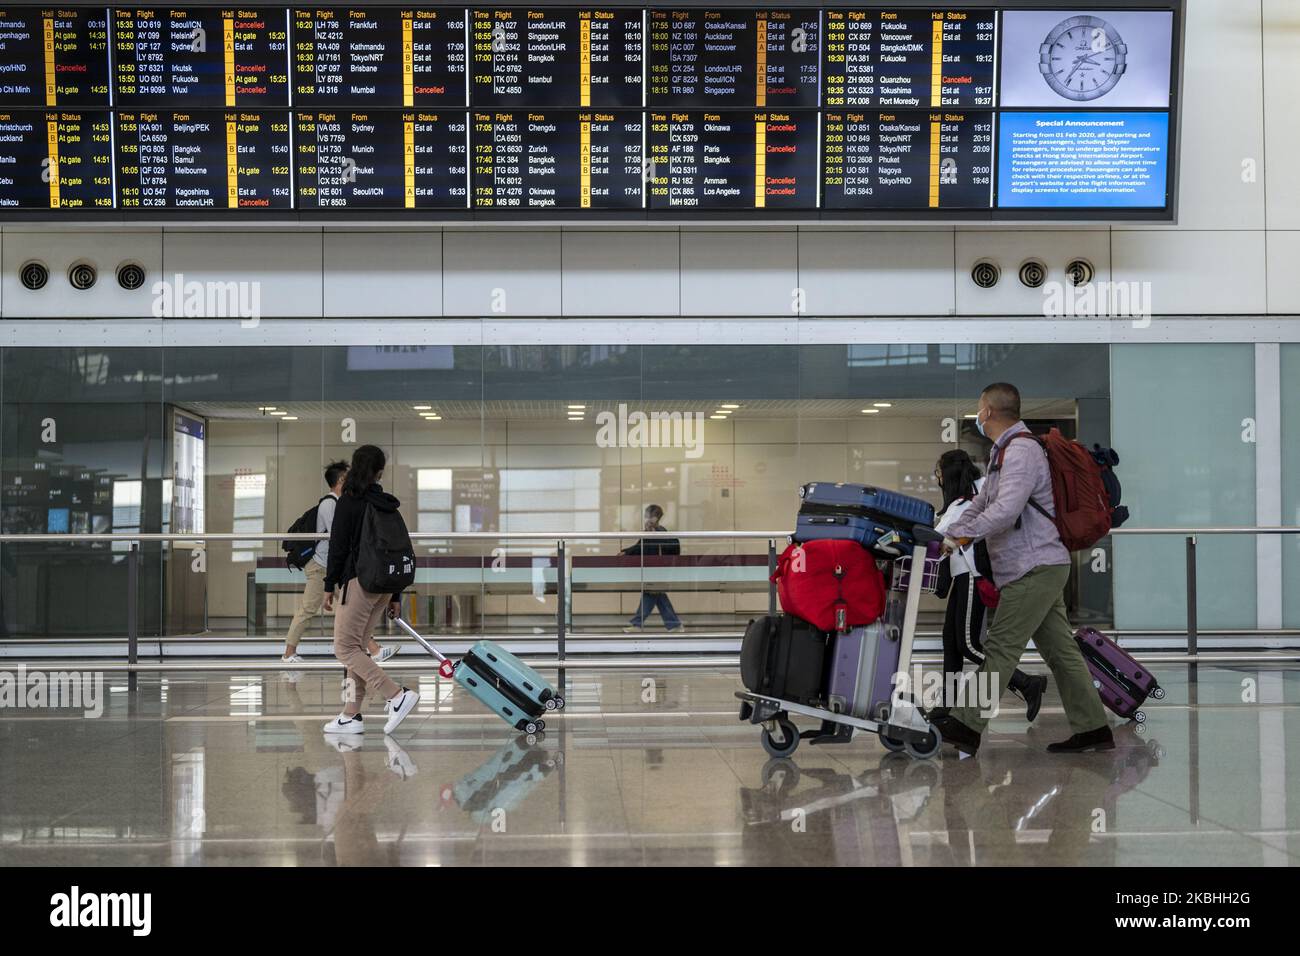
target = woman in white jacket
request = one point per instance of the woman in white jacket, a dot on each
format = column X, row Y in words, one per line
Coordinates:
column 964, row 621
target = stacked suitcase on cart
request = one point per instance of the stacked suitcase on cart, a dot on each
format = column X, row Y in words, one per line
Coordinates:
column 842, row 586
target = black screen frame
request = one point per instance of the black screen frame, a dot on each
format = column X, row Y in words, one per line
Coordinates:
column 1166, row 215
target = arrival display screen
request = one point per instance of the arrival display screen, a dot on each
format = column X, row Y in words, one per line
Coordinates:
column 444, row 111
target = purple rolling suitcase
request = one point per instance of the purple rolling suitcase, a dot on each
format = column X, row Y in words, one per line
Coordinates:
column 1123, row 683
column 863, row 663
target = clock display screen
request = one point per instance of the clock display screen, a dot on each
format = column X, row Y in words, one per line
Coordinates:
column 1106, row 59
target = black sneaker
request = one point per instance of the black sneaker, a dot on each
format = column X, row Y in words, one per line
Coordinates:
column 1099, row 739
column 958, row 734
column 1034, row 696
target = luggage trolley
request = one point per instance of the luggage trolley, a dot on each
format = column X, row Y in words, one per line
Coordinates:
column 902, row 725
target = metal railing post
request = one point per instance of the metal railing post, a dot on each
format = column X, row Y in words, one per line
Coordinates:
column 1191, row 594
column 561, row 609
column 771, row 570
column 132, row 613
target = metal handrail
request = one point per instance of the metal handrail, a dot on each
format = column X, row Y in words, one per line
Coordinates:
column 541, row 535
column 414, row 535
column 560, row 538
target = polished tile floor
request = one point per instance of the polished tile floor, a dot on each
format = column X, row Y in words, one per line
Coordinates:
column 640, row 769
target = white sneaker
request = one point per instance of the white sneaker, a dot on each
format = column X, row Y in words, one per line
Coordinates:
column 398, row 707
column 399, row 761
column 384, row 653
column 293, row 659
column 346, row 725
column 633, row 629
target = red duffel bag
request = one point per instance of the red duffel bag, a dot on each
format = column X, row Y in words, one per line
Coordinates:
column 833, row 585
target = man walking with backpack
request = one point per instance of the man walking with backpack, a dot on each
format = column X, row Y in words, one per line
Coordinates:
column 1014, row 514
column 313, row 595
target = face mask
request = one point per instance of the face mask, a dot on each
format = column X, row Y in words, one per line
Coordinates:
column 979, row 426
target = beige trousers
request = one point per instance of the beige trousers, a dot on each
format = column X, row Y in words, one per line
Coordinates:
column 355, row 620
column 313, row 596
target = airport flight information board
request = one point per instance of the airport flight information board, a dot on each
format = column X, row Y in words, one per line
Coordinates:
column 830, row 111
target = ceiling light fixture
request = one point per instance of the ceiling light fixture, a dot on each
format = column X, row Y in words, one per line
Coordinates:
column 883, row 404
column 871, row 411
column 422, row 408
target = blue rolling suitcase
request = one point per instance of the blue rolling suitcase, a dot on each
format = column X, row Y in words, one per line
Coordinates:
column 500, row 681
column 874, row 517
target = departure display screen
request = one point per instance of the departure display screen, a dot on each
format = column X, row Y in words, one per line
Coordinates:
column 441, row 111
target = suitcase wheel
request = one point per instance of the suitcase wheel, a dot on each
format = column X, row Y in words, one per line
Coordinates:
column 1140, row 717
column 559, row 702
column 889, row 743
column 927, row 746
column 533, row 726
column 1157, row 693
column 785, row 744
column 552, row 703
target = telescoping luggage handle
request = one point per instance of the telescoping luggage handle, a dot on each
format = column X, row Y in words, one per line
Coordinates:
column 445, row 667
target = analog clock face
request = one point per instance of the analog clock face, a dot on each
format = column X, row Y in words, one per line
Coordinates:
column 1083, row 58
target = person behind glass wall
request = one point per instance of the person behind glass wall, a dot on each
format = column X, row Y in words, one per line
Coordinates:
column 647, row 547
column 964, row 618
column 313, row 593
column 359, row 610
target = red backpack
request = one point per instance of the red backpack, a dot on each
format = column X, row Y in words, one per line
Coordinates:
column 832, row 584
column 1083, row 506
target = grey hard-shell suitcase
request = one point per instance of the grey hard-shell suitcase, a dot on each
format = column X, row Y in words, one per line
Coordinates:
column 864, row 661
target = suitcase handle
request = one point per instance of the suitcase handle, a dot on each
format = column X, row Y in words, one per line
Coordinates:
column 445, row 666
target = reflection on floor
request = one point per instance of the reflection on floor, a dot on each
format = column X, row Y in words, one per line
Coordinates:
column 639, row 769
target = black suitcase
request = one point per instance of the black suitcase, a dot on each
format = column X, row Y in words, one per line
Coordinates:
column 783, row 656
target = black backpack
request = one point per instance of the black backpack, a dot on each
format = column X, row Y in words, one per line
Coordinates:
column 298, row 553
column 1108, row 458
column 385, row 558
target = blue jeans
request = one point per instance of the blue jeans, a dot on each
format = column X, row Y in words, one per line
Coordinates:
column 657, row 599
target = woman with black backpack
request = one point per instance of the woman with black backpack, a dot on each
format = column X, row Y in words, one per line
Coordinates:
column 960, row 581
column 360, row 610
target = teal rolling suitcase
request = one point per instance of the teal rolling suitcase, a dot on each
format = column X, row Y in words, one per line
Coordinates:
column 499, row 680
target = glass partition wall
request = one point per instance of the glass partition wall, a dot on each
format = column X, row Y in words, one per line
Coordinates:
column 562, row 439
